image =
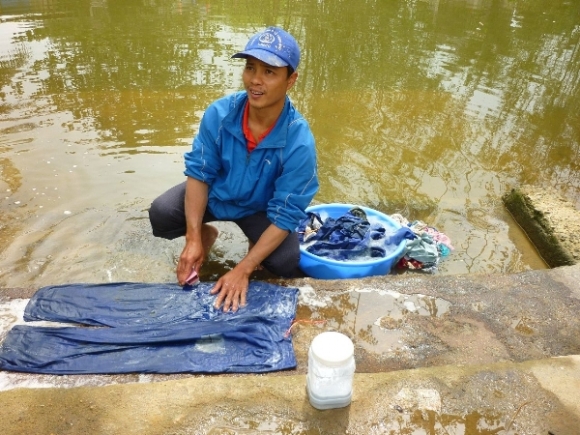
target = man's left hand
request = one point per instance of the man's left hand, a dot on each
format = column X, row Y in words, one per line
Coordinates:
column 231, row 290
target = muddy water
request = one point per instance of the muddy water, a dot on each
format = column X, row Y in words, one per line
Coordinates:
column 432, row 109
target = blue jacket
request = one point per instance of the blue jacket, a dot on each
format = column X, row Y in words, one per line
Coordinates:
column 279, row 177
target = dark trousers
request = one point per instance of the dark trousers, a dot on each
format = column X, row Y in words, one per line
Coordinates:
column 167, row 217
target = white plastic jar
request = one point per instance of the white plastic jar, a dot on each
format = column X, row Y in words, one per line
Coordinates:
column 330, row 370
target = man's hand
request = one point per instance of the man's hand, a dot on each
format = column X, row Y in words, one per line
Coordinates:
column 191, row 258
column 232, row 289
column 199, row 237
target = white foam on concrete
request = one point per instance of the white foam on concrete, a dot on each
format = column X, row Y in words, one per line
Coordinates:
column 11, row 314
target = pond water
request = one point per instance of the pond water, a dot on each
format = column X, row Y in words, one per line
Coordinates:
column 428, row 108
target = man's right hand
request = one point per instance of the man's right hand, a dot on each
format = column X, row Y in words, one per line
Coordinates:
column 191, row 258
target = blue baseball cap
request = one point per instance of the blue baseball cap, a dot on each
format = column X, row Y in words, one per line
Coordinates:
column 273, row 46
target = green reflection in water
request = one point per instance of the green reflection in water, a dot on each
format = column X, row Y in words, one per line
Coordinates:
column 433, row 109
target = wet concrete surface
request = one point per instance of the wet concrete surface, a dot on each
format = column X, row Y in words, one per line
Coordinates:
column 473, row 354
column 500, row 398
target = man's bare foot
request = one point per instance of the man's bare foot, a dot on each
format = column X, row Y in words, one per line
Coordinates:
column 209, row 234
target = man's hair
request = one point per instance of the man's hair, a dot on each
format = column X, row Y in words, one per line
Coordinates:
column 290, row 71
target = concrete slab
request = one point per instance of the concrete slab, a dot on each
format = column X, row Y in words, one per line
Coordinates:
column 536, row 397
column 463, row 354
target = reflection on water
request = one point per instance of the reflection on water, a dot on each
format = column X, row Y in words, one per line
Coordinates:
column 431, row 108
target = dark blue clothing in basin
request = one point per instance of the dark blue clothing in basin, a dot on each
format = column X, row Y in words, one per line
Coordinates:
column 350, row 237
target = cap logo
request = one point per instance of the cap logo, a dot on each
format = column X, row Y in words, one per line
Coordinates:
column 267, row 38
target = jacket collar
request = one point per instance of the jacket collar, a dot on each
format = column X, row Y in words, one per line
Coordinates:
column 233, row 123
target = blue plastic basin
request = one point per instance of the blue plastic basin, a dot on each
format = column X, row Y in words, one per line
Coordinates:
column 325, row 268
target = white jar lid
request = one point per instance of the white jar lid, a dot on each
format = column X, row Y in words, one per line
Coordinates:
column 332, row 348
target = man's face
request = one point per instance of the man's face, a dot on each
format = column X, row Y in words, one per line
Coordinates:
column 266, row 85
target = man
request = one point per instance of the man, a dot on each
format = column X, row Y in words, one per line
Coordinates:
column 253, row 162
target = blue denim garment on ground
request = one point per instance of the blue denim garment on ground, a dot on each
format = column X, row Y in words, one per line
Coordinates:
column 152, row 328
column 350, row 236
